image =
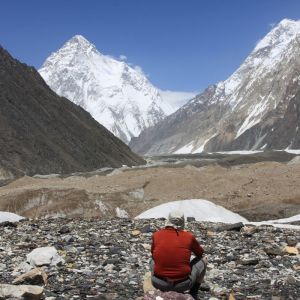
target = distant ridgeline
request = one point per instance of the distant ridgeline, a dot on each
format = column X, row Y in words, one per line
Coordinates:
column 257, row 107
column 41, row 132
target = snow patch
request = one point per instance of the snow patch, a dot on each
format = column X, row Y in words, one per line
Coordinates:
column 201, row 148
column 242, row 152
column 281, row 223
column 6, row 216
column 185, row 149
column 121, row 213
column 201, row 210
column 293, row 151
column 102, row 207
column 254, row 116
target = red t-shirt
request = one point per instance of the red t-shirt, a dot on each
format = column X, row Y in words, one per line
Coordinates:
column 171, row 252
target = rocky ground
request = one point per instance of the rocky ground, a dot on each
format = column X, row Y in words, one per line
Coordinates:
column 259, row 187
column 107, row 259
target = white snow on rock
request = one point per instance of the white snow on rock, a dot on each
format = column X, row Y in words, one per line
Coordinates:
column 6, row 216
column 281, row 223
column 241, row 152
column 117, row 95
column 286, row 220
column 293, row 151
column 245, row 99
column 44, row 256
column 201, row 210
column 121, row 213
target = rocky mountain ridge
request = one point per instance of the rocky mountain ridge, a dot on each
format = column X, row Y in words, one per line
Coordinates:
column 248, row 111
column 117, row 95
column 43, row 133
column 107, row 259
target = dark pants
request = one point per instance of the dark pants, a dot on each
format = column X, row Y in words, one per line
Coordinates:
column 196, row 276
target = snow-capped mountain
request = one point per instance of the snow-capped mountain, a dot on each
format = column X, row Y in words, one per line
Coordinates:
column 245, row 112
column 117, row 95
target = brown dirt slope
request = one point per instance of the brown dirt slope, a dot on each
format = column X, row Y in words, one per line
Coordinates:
column 259, row 191
column 41, row 132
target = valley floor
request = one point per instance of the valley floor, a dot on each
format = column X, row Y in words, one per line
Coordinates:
column 258, row 191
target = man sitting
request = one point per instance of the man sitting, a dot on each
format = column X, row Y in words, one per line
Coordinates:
column 171, row 251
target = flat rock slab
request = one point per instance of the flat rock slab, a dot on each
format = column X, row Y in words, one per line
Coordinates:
column 228, row 227
column 28, row 292
column 35, row 276
column 158, row 295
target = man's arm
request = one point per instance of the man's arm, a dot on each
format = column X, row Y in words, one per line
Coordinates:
column 196, row 248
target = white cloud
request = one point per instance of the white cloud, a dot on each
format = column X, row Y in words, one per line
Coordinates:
column 139, row 69
column 123, row 57
column 177, row 99
column 271, row 25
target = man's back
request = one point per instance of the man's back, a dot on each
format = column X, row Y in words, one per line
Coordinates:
column 171, row 251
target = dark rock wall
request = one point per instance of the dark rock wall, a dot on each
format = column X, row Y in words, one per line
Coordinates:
column 41, row 132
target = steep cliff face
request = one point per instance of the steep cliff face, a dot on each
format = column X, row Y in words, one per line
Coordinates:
column 238, row 113
column 118, row 96
column 275, row 131
column 41, row 132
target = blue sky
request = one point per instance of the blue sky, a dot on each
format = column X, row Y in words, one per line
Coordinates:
column 181, row 45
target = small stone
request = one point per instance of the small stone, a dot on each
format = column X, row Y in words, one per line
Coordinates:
column 291, row 280
column 68, row 239
column 147, row 284
column 296, row 267
column 64, row 229
column 109, row 268
column 291, row 250
column 135, row 232
column 273, row 249
column 210, row 233
column 158, row 295
column 2, row 267
column 146, row 246
column 248, row 230
column 35, row 277
column 111, row 261
column 291, row 241
column 204, row 287
column 146, row 229
column 249, row 261
column 231, row 296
